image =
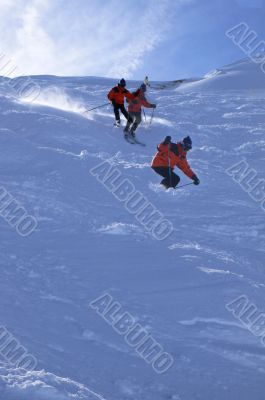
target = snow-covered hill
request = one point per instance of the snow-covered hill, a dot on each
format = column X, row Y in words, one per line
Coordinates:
column 87, row 243
column 242, row 75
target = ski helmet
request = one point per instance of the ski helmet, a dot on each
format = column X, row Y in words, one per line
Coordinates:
column 122, row 82
column 143, row 87
column 187, row 143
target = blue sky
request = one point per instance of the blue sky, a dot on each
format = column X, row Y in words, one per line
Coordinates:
column 165, row 39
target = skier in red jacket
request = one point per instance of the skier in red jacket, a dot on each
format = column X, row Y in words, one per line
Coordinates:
column 135, row 110
column 172, row 155
column 116, row 96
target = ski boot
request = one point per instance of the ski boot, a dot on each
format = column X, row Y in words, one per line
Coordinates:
column 117, row 124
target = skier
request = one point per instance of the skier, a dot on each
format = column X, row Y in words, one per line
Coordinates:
column 135, row 110
column 116, row 96
column 146, row 81
column 170, row 155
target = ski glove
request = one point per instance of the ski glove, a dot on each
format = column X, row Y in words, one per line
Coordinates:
column 167, row 140
column 113, row 103
column 153, row 105
column 196, row 180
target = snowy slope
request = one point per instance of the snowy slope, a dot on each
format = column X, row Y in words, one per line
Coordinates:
column 241, row 75
column 87, row 244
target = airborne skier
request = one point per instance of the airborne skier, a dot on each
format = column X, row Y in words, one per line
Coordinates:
column 170, row 155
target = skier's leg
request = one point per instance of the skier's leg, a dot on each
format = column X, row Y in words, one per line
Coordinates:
column 168, row 180
column 129, row 122
column 125, row 112
column 137, row 121
column 165, row 172
column 117, row 113
column 174, row 179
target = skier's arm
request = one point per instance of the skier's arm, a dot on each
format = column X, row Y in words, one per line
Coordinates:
column 146, row 104
column 162, row 147
column 128, row 95
column 111, row 95
column 183, row 164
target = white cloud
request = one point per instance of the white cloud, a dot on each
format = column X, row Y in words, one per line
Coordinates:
column 99, row 37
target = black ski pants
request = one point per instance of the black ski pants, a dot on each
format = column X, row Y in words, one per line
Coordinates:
column 120, row 107
column 170, row 178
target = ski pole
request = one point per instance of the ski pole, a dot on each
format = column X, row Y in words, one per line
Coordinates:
column 94, row 108
column 144, row 115
column 151, row 119
column 187, row 184
column 169, row 169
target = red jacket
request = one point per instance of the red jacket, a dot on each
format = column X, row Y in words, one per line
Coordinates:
column 172, row 155
column 118, row 93
column 164, row 156
column 138, row 101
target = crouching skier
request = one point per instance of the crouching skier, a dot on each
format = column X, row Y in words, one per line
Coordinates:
column 116, row 96
column 135, row 111
column 170, row 155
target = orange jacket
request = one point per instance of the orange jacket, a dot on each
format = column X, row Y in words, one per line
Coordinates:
column 172, row 155
column 118, row 93
column 164, row 156
column 137, row 102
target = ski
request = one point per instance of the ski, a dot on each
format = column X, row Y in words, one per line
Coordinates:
column 136, row 141
column 129, row 139
column 133, row 140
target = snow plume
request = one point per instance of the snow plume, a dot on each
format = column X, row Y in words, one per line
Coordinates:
column 56, row 97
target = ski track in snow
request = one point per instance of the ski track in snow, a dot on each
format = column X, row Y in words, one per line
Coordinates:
column 87, row 244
